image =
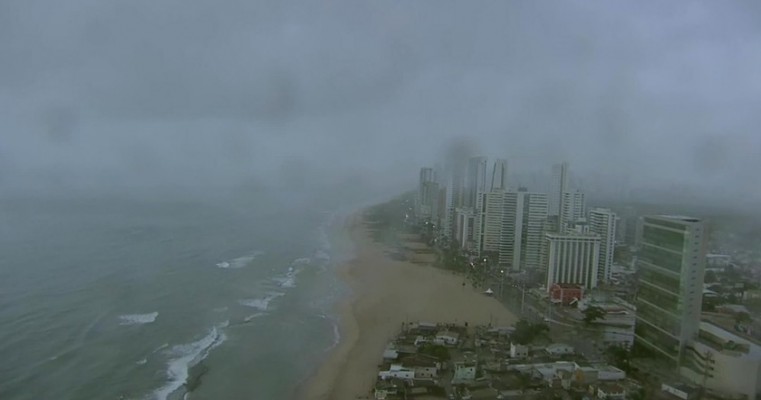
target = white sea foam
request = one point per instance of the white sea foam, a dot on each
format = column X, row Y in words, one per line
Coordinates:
column 163, row 346
column 301, row 261
column 138, row 319
column 289, row 280
column 142, row 362
column 322, row 255
column 186, row 356
column 239, row 262
column 252, row 316
column 336, row 335
column 261, row 303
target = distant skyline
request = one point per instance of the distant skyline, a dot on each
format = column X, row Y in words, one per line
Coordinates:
column 96, row 95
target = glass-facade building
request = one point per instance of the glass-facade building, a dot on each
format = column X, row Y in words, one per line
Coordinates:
column 671, row 267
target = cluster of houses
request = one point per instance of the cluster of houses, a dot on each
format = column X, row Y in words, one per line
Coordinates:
column 429, row 360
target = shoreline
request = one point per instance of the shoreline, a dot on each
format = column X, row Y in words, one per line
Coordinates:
column 319, row 384
column 385, row 292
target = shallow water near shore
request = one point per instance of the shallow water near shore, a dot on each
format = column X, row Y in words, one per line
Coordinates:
column 132, row 299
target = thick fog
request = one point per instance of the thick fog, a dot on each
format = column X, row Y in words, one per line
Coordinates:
column 142, row 94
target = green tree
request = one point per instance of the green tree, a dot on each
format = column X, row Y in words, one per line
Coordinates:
column 435, row 350
column 742, row 317
column 525, row 332
column 619, row 357
column 639, row 394
column 710, row 277
column 592, row 314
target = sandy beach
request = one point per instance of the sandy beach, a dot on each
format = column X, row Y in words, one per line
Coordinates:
column 385, row 293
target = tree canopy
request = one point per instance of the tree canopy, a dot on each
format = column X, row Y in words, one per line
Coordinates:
column 592, row 314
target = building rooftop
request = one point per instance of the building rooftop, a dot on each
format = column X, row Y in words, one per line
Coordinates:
column 567, row 285
column 611, row 388
column 682, row 218
column 753, row 349
column 606, row 367
column 573, row 235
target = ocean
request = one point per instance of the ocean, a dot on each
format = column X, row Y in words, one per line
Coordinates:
column 226, row 297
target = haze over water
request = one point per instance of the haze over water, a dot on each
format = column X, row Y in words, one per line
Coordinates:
column 169, row 170
column 113, row 298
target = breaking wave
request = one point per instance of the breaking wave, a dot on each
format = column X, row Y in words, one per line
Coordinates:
column 138, row 319
column 261, row 304
column 239, row 262
column 185, row 356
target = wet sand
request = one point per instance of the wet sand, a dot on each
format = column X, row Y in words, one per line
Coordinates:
column 386, row 292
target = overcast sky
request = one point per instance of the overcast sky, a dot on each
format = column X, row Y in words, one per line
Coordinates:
column 138, row 93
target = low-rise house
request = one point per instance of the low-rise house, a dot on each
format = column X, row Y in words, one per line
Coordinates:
column 397, row 371
column 680, row 391
column 421, row 340
column 518, row 350
column 390, row 353
column 424, row 366
column 565, row 294
column 611, row 391
column 386, row 389
column 464, row 372
column 724, row 361
column 609, row 373
column 559, row 349
column 732, row 309
column 752, row 294
column 719, row 261
column 447, row 338
column 425, row 327
column 564, row 378
column 480, row 394
column 549, row 371
column 501, row 330
column 586, row 375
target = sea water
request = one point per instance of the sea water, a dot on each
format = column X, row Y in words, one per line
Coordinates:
column 103, row 298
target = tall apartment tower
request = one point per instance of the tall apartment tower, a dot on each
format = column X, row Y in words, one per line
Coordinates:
column 671, row 266
column 535, row 206
column 455, row 197
column 509, row 224
column 427, row 194
column 475, row 180
column 572, row 210
column 558, row 186
column 499, row 176
column 572, row 259
column 602, row 222
column 465, row 227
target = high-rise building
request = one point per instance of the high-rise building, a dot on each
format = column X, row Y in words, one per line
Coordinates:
column 572, row 210
column 499, row 176
column 454, row 200
column 475, row 180
column 440, row 210
column 572, row 259
column 490, row 223
column 558, row 186
column 427, row 175
column 671, row 267
column 427, row 194
column 465, row 227
column 550, row 225
column 509, row 224
column 534, row 216
column 602, row 222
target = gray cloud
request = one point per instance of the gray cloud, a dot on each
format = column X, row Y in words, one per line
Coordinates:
column 98, row 93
